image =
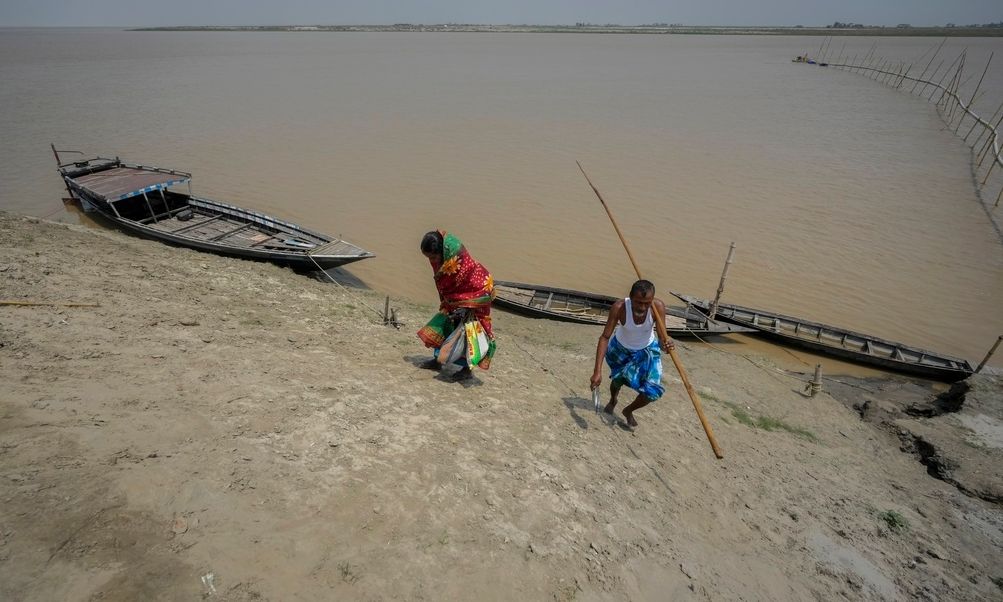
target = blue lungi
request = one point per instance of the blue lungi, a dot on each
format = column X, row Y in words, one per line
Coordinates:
column 639, row 369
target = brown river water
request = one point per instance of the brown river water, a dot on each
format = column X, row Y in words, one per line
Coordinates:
column 850, row 202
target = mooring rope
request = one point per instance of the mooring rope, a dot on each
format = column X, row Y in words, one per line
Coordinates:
column 385, row 318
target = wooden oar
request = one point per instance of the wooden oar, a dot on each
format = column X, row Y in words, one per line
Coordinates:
column 661, row 329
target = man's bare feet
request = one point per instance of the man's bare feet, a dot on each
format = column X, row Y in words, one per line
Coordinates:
column 432, row 364
column 463, row 374
column 630, row 418
column 610, row 407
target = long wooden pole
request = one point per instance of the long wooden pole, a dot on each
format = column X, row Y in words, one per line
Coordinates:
column 661, row 328
column 971, row 100
column 46, row 303
column 913, row 89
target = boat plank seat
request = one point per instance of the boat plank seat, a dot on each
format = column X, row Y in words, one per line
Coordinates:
column 230, row 232
column 166, row 216
column 334, row 247
column 188, row 227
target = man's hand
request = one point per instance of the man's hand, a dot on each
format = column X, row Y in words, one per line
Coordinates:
column 668, row 345
column 596, row 379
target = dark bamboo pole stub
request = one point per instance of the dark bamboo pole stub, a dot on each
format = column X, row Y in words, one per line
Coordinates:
column 661, row 330
column 815, row 385
column 990, row 354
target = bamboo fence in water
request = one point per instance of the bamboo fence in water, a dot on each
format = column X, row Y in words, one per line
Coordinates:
column 955, row 108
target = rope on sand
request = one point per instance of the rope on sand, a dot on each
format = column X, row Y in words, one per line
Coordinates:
column 355, row 297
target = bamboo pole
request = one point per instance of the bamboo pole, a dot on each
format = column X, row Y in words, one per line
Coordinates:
column 957, row 74
column 661, row 328
column 992, row 165
column 992, row 132
column 886, row 74
column 855, row 66
column 954, row 94
column 938, row 85
column 867, row 57
column 876, row 72
column 871, row 65
column 879, row 72
column 892, row 76
column 977, row 122
column 819, row 53
column 47, row 303
column 903, row 77
column 851, row 64
column 887, row 77
column 990, row 354
column 990, row 143
column 913, row 89
column 896, row 80
column 720, row 286
column 977, row 86
column 933, row 75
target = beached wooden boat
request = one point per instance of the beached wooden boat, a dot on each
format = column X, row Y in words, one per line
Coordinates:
column 840, row 342
column 137, row 198
column 589, row 308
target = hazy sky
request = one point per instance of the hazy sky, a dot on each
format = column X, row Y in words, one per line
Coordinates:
column 14, row 13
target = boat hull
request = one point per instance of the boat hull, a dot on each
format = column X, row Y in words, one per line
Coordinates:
column 199, row 223
column 580, row 307
column 841, row 343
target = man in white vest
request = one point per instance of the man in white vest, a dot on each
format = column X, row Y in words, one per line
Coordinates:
column 633, row 350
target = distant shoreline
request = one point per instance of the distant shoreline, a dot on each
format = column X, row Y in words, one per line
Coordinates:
column 607, row 29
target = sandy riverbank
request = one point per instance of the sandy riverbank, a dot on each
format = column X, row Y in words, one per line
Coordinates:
column 235, row 431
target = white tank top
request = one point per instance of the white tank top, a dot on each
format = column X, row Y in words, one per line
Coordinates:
column 635, row 336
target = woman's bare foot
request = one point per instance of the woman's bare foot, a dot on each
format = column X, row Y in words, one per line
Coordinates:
column 432, row 364
column 463, row 374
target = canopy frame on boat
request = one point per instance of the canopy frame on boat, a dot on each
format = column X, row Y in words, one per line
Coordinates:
column 125, row 181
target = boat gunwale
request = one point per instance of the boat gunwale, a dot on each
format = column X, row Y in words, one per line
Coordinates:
column 960, row 365
column 607, row 300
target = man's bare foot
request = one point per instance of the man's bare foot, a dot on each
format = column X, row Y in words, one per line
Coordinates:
column 630, row 419
column 432, row 364
column 610, row 407
column 463, row 374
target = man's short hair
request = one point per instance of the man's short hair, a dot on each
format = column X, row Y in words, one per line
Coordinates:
column 642, row 288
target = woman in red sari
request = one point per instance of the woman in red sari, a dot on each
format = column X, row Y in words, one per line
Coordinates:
column 464, row 286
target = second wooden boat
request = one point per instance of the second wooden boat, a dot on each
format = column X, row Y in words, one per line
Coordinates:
column 840, row 342
column 590, row 308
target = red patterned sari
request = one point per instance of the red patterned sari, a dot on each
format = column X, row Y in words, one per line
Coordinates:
column 462, row 284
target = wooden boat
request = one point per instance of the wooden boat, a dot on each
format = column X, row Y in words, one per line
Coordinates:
column 839, row 342
column 589, row 308
column 136, row 197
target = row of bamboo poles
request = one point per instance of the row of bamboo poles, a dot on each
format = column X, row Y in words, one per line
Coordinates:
column 954, row 107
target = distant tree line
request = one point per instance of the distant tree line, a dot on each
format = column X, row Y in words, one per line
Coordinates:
column 841, row 25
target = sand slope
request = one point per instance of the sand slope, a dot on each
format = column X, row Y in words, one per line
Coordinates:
column 235, row 431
